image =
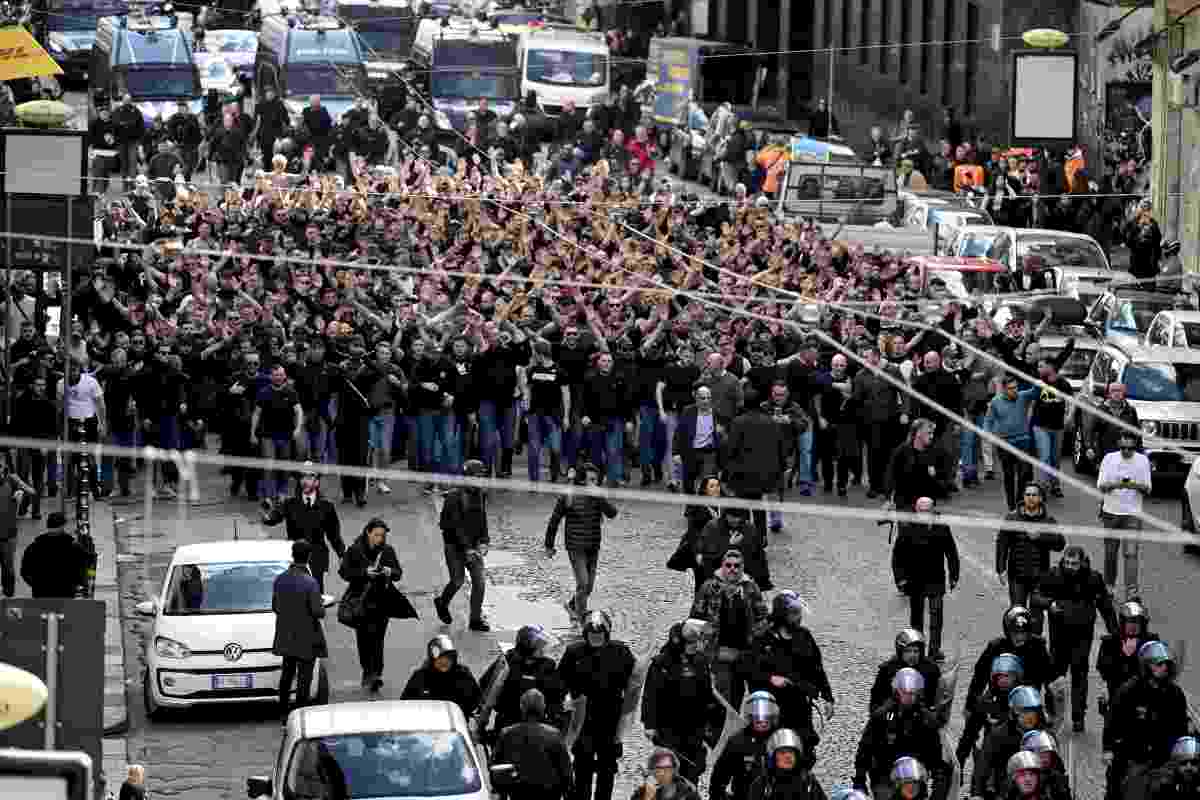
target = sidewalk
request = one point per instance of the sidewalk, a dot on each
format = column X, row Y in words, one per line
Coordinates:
column 116, row 716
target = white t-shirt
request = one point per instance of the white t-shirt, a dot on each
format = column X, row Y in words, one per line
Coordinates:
column 1114, row 469
column 82, row 398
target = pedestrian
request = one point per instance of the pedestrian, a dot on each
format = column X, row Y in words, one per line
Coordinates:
column 913, row 468
column 299, row 637
column 1074, row 594
column 129, row 128
column 134, row 787
column 13, row 490
column 665, row 779
column 1125, row 480
column 465, row 537
column 310, row 517
column 444, row 677
column 698, row 440
column 1022, row 555
column 923, row 557
column 369, row 566
column 1008, row 419
column 541, row 761
column 584, row 516
column 756, row 458
column 1144, row 238
column 54, row 564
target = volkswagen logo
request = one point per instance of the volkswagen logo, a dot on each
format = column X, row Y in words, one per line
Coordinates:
column 233, row 652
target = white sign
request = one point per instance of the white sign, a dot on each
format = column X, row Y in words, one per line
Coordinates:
column 1044, row 97
column 700, row 17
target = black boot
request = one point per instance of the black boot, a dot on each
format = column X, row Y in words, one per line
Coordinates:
column 647, row 477
column 555, row 467
column 658, row 473
column 506, row 457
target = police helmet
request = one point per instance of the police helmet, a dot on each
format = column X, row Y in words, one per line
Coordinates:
column 1008, row 664
column 785, row 604
column 784, row 739
column 1153, row 653
column 1017, row 619
column 597, row 621
column 530, row 638
column 761, row 707
column 908, row 680
column 1024, row 698
column 844, row 792
column 909, row 637
column 1133, row 611
column 1023, row 760
column 1185, row 749
column 441, row 645
column 694, row 630
column 1039, row 742
column 909, row 770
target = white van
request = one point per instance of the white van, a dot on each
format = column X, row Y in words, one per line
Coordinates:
column 561, row 65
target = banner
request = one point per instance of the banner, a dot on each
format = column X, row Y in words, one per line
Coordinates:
column 22, row 57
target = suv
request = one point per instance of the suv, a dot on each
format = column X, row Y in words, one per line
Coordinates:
column 1126, row 313
column 1163, row 386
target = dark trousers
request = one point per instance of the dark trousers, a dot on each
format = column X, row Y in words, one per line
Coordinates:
column 1019, row 592
column 458, row 565
column 32, row 465
column 1016, row 473
column 235, row 441
column 916, row 613
column 1129, row 548
column 352, row 452
column 698, row 464
column 599, row 763
column 1070, row 648
column 881, row 439
column 369, row 636
column 834, row 444
column 584, row 561
column 759, row 515
column 299, row 670
column 8, row 571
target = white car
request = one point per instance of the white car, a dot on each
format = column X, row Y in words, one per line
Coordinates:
column 388, row 749
column 210, row 642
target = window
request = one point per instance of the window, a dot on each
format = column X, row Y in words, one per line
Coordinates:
column 567, row 68
column 864, row 25
column 926, row 44
column 326, row 79
column 235, row 588
column 404, row 764
column 905, row 41
column 1163, row 382
column 885, row 34
column 159, row 82
column 972, row 57
column 949, row 35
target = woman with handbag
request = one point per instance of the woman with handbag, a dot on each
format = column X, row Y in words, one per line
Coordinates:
column 370, row 566
column 687, row 552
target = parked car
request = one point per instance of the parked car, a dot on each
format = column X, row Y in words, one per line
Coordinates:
column 213, row 628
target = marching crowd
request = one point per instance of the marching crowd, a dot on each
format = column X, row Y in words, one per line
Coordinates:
column 372, row 297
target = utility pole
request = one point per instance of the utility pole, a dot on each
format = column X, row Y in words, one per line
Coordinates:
column 1160, row 173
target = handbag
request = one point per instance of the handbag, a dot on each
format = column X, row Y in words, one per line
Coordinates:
column 352, row 610
column 683, row 558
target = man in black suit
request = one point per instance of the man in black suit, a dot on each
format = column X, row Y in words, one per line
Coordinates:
column 698, row 439
column 299, row 637
column 755, row 458
column 312, row 518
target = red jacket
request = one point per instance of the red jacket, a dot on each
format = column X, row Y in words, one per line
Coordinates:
column 640, row 152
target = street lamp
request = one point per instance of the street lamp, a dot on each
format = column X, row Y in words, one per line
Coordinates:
column 22, row 696
column 1045, row 38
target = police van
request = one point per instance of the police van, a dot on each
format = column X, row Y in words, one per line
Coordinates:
column 561, row 65
column 458, row 61
column 147, row 57
column 386, row 29
column 67, row 29
column 301, row 55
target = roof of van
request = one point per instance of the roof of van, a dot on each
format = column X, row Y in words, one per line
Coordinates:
column 150, row 41
column 566, row 39
column 429, row 31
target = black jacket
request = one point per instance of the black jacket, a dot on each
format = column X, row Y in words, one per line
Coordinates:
column 677, row 699
column 296, row 601
column 908, row 475
column 881, row 691
column 54, row 565
column 538, row 672
column 584, row 517
column 1078, row 598
column 795, row 785
column 464, row 519
column 1025, row 556
column 601, row 674
column 742, row 761
column 894, row 732
column 799, row 660
column 941, row 386
column 456, row 685
column 1145, row 721
column 990, row 778
column 1116, row 668
column 1035, row 659
column 755, row 454
column 541, row 758
column 353, row 570
column 921, row 557
column 316, row 524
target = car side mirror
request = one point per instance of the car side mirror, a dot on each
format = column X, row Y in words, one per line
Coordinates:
column 258, row 787
column 328, row 600
column 146, row 608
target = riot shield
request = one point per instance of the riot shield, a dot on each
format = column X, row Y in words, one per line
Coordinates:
column 496, row 675
column 632, row 697
column 732, row 727
column 578, row 712
column 944, row 703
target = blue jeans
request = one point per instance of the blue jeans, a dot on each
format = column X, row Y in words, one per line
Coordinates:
column 651, row 442
column 607, row 445
column 454, row 444
column 380, row 431
column 545, row 432
column 968, row 450
column 431, row 432
column 804, row 459
column 277, row 482
column 1048, row 444
column 496, row 421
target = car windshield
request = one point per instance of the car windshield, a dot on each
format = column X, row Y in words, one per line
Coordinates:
column 377, row 765
column 231, row 588
column 380, row 41
column 567, row 68
column 474, row 84
column 326, row 79
column 217, row 72
column 977, row 245
column 231, row 41
column 1163, row 382
column 1060, row 252
column 1077, row 366
column 1136, row 315
column 76, row 21
column 164, row 82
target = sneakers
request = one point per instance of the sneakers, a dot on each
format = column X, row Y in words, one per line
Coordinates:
column 382, row 487
column 443, row 610
column 479, row 625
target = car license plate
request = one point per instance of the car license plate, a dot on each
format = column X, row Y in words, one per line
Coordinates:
column 220, row 682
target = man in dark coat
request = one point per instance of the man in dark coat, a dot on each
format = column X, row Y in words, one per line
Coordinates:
column 1023, row 556
column 924, row 555
column 299, row 638
column 312, row 518
column 54, row 565
column 12, row 491
column 756, row 458
column 465, row 536
column 537, row 750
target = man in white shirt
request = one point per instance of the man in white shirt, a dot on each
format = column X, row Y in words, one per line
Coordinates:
column 1125, row 480
column 84, row 400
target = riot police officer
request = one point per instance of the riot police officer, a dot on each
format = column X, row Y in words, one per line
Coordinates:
column 1026, row 713
column 789, row 770
column 991, row 707
column 910, row 652
column 1055, row 783
column 1020, row 640
column 903, row 726
column 525, row 666
column 1117, row 660
column 1180, row 778
column 442, row 677
column 908, row 780
column 679, row 710
column 744, row 756
column 599, row 671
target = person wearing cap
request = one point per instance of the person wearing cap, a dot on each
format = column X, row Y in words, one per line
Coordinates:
column 537, row 751
column 54, row 564
column 310, row 517
column 370, row 564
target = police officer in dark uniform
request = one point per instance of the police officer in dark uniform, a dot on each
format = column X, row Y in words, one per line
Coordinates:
column 528, row 668
column 442, row 677
column 991, row 707
column 744, row 756
column 537, row 751
column 1020, row 640
column 789, row 770
column 903, row 726
column 910, row 652
column 1117, row 659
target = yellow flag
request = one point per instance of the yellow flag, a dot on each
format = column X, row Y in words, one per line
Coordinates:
column 22, row 57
